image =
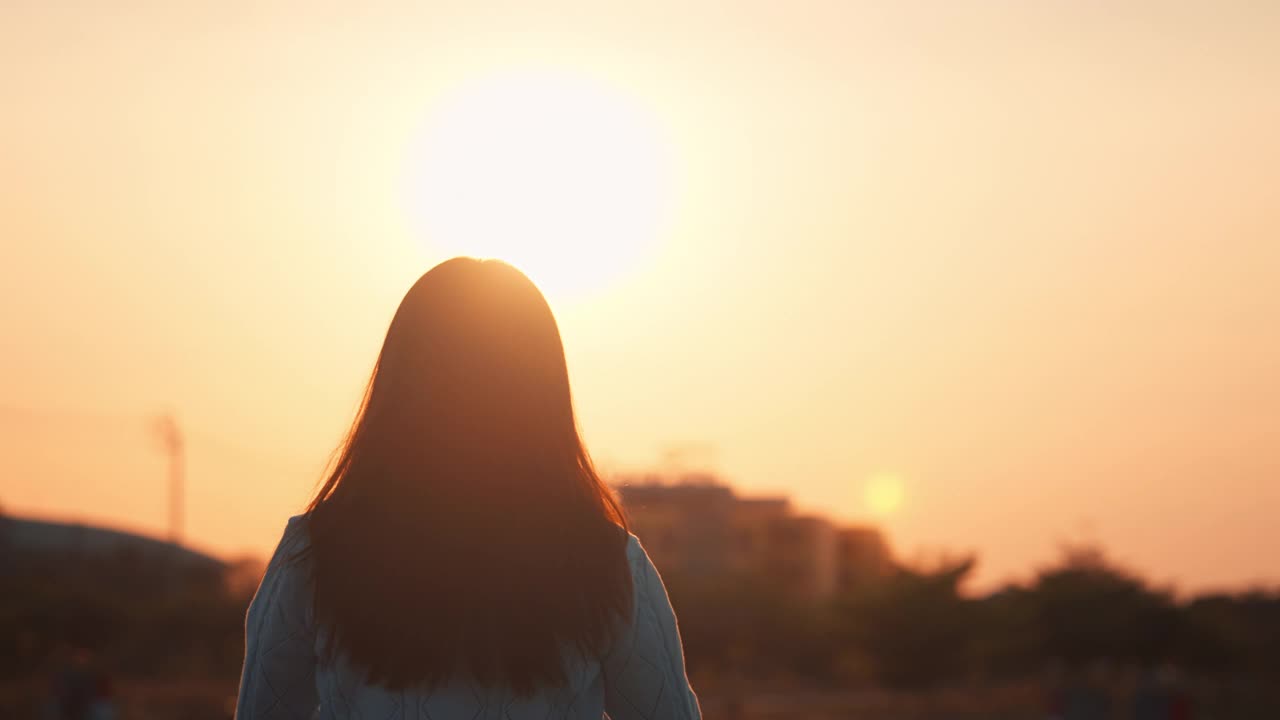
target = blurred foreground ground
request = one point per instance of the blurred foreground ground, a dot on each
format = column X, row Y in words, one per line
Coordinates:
column 210, row 700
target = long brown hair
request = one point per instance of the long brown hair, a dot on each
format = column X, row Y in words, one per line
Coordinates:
column 462, row 530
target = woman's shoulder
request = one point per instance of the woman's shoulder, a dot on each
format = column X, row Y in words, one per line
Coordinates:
column 296, row 524
column 637, row 558
column 297, row 530
column 294, row 542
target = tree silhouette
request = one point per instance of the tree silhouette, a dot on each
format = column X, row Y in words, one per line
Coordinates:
column 915, row 628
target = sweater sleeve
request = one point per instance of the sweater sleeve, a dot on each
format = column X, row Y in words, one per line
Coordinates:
column 278, row 680
column 644, row 676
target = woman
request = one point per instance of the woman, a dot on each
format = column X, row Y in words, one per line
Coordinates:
column 463, row 559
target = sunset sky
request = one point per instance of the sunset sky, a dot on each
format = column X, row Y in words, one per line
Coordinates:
column 996, row 277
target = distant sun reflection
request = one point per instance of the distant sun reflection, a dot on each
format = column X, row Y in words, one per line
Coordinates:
column 884, row 494
column 562, row 175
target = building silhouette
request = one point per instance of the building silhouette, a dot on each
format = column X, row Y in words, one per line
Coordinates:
column 862, row 557
column 698, row 527
column 72, row 554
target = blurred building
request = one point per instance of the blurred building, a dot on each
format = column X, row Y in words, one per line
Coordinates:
column 862, row 557
column 62, row 551
column 771, row 541
column 685, row 527
column 27, row 535
column 699, row 527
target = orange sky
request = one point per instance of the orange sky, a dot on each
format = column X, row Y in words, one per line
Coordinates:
column 1023, row 256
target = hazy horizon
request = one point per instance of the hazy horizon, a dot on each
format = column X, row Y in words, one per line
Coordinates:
column 1022, row 257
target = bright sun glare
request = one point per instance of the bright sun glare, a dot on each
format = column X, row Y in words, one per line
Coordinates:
column 561, row 175
column 884, row 494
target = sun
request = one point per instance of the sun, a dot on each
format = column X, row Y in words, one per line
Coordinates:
column 562, row 175
column 884, row 494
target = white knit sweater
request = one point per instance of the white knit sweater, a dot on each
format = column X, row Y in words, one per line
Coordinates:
column 641, row 678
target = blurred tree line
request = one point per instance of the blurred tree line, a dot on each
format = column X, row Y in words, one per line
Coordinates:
column 912, row 630
column 917, row 630
column 139, row 615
